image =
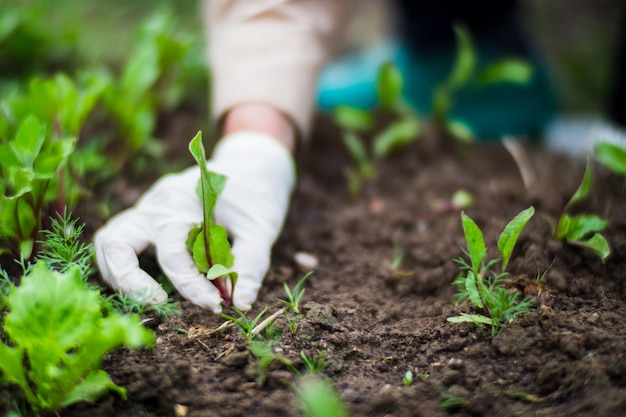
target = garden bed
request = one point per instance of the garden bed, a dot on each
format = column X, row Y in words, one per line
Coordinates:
column 564, row 358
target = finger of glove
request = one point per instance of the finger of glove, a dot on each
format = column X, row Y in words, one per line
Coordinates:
column 179, row 267
column 252, row 260
column 116, row 246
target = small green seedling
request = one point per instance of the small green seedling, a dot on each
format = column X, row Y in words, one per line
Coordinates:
column 403, row 130
column 483, row 287
column 55, row 336
column 408, row 379
column 294, row 297
column 245, row 326
column 583, row 229
column 208, row 242
column 466, row 73
column 314, row 364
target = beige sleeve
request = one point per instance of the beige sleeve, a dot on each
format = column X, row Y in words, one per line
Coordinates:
column 270, row 51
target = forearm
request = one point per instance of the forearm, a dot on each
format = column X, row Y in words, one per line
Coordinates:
column 270, row 52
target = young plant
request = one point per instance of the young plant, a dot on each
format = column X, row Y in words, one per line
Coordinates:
column 408, row 379
column 208, row 242
column 583, row 229
column 403, row 130
column 483, row 287
column 293, row 302
column 611, row 152
column 55, row 335
column 245, row 325
column 314, row 364
column 465, row 72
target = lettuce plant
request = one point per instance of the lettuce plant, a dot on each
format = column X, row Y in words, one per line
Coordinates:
column 482, row 286
column 55, row 335
column 208, row 242
column 583, row 229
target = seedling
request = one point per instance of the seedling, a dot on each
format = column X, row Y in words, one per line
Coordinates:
column 583, row 229
column 208, row 242
column 451, row 400
column 483, row 287
column 294, row 297
column 55, row 337
column 408, row 379
column 465, row 73
column 610, row 150
column 245, row 326
column 404, row 129
column 314, row 364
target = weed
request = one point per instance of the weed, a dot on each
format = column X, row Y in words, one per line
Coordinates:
column 208, row 242
column 481, row 286
column 314, row 364
column 451, row 400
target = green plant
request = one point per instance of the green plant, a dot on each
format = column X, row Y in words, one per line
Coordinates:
column 583, row 229
column 483, row 287
column 208, row 242
column 452, row 400
column 294, row 297
column 408, row 379
column 314, row 364
column 245, row 325
column 318, row 398
column 403, row 130
column 466, row 73
column 56, row 335
column 28, row 166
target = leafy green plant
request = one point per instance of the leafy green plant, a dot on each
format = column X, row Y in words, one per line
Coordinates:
column 56, row 335
column 28, row 166
column 583, row 229
column 482, row 286
column 208, row 242
column 243, row 323
column 466, row 73
column 403, row 130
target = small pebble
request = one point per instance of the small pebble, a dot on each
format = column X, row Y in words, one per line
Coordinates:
column 593, row 319
column 306, row 260
column 180, row 410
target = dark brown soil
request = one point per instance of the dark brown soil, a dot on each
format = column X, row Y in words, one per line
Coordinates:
column 565, row 358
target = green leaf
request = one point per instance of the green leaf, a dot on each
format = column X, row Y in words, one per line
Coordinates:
column 319, row 399
column 217, row 271
column 395, row 136
column 475, row 243
column 192, row 236
column 506, row 71
column 21, row 180
column 199, row 253
column 351, row 118
column 460, row 130
column 211, row 183
column 472, row 290
column 612, row 155
column 356, row 148
column 583, row 225
column 510, row 234
column 597, row 244
column 583, row 189
column 389, row 85
column 220, row 250
column 29, row 140
column 472, row 318
column 465, row 62
column 94, row 386
column 53, row 157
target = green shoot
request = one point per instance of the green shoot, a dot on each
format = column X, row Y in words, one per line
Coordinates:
column 480, row 285
column 583, row 229
column 408, row 379
column 294, row 297
column 314, row 364
column 318, row 398
column 58, row 337
column 466, row 72
column 138, row 305
column 611, row 151
column 262, row 352
column 62, row 248
column 245, row 326
column 452, row 400
column 208, row 242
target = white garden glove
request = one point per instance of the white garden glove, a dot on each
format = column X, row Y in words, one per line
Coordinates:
column 252, row 207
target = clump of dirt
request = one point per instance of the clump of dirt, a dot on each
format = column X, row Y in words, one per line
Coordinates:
column 565, row 358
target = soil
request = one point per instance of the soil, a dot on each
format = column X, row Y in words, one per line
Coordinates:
column 564, row 358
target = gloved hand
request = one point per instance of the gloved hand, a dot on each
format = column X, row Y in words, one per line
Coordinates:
column 252, row 207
